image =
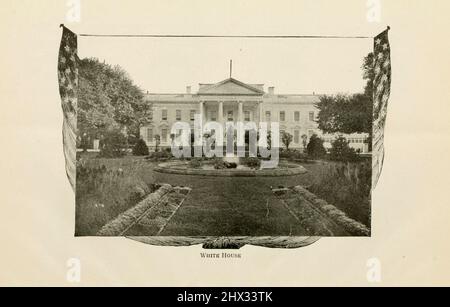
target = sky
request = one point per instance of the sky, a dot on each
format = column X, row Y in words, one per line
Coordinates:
column 292, row 66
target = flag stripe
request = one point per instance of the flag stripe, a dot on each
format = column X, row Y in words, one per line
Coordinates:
column 381, row 94
column 68, row 90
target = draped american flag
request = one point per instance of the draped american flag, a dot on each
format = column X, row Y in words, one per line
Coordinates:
column 381, row 93
column 68, row 90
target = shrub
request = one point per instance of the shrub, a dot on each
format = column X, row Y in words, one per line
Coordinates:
column 140, row 148
column 315, row 148
column 219, row 163
column 157, row 142
column 251, row 162
column 304, row 142
column 292, row 154
column 286, row 139
column 295, row 155
column 341, row 151
column 114, row 144
column 300, row 157
column 160, row 155
column 195, row 163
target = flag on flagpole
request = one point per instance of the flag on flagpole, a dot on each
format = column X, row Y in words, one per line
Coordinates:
column 68, row 90
column 381, row 93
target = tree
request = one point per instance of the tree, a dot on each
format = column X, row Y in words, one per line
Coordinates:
column 157, row 142
column 368, row 74
column 315, row 148
column 341, row 151
column 345, row 114
column 304, row 141
column 113, row 144
column 172, row 137
column 286, row 139
column 109, row 100
column 349, row 113
column 140, row 148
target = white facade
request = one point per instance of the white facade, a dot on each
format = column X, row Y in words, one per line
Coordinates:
column 232, row 100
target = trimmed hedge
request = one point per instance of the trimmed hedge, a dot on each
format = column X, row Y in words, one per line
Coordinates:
column 140, row 148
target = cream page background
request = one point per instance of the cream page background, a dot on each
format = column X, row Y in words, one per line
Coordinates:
column 410, row 203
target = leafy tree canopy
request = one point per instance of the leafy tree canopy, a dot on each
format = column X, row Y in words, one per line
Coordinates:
column 349, row 113
column 108, row 99
column 345, row 113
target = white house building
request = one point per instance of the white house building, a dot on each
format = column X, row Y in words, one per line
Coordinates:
column 233, row 100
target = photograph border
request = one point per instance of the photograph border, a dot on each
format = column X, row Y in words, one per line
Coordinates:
column 69, row 107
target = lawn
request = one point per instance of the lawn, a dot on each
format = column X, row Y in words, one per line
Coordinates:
column 216, row 205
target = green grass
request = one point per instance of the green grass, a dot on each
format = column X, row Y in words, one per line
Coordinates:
column 216, row 206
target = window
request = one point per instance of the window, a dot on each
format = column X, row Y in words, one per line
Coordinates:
column 150, row 115
column 267, row 116
column 213, row 116
column 282, row 116
column 297, row 136
column 247, row 116
column 192, row 115
column 310, row 133
column 311, row 116
column 230, row 116
column 178, row 115
column 164, row 135
column 164, row 114
column 297, row 116
column 149, row 135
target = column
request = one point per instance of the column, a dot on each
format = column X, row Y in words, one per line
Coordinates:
column 240, row 116
column 220, row 112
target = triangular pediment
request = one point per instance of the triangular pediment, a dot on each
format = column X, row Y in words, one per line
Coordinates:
column 230, row 87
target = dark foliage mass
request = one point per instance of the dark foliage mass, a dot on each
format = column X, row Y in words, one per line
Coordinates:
column 349, row 113
column 315, row 148
column 140, row 148
column 113, row 144
column 341, row 151
column 108, row 100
